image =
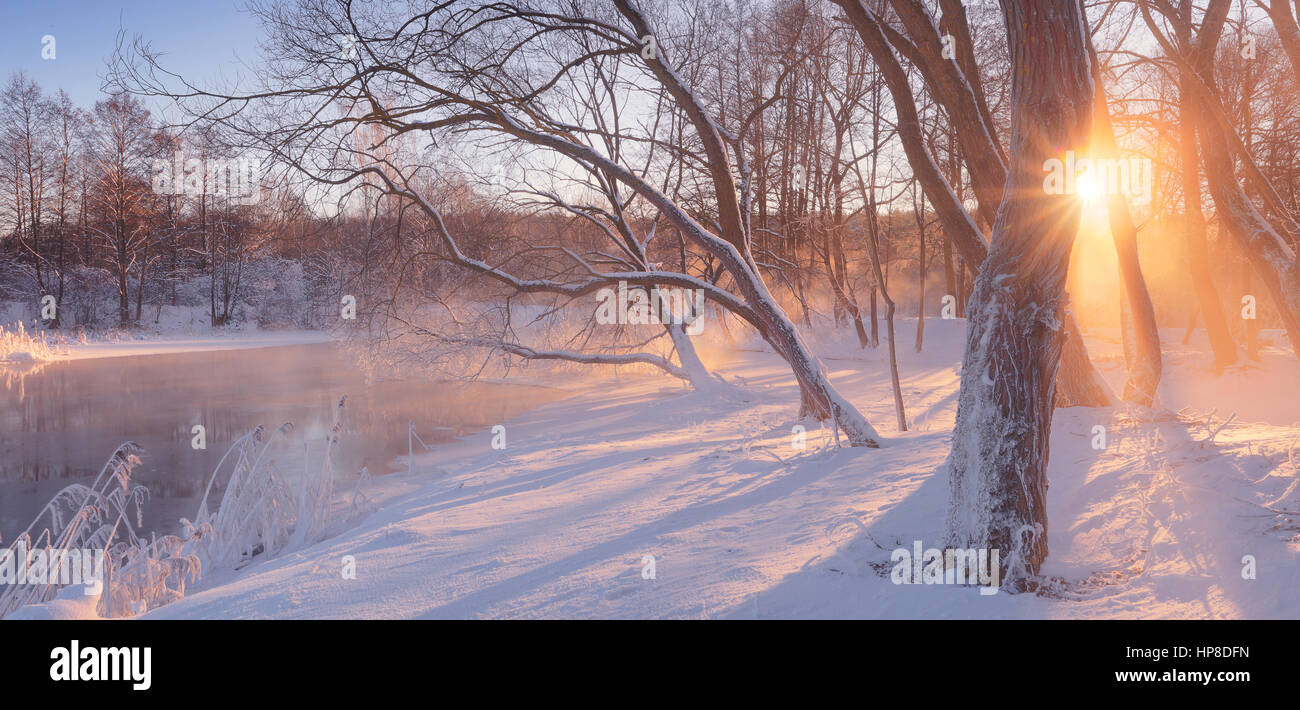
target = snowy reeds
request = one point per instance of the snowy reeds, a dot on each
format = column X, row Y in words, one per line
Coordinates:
column 135, row 574
column 261, row 514
column 17, row 345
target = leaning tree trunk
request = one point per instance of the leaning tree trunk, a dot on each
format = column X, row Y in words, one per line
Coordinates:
column 1273, row 259
column 1137, row 314
column 998, row 464
column 1198, row 253
column 699, row 377
column 815, row 387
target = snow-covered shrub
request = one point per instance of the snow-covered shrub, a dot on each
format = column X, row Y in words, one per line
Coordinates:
column 276, row 290
column 17, row 280
column 89, row 297
column 137, row 574
column 261, row 513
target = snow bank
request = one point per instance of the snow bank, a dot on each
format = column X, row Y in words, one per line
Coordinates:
column 215, row 340
column 636, row 499
column 70, row 603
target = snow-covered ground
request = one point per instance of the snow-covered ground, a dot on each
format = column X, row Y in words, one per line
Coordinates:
column 211, row 340
column 741, row 523
column 176, row 329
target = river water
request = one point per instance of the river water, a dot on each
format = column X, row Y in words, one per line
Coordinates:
column 60, row 421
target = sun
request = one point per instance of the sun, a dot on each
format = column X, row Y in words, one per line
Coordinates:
column 1086, row 187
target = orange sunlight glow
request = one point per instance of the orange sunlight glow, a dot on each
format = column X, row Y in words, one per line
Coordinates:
column 1086, row 187
column 1093, row 281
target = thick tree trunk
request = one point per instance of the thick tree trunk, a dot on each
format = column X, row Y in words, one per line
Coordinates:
column 697, row 374
column 998, row 464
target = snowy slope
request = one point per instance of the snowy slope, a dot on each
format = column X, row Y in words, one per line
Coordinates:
column 741, row 524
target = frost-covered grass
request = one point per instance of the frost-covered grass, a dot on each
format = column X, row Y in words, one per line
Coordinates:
column 18, row 345
column 261, row 514
column 138, row 573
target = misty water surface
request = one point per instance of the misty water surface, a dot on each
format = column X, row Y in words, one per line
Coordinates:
column 60, row 421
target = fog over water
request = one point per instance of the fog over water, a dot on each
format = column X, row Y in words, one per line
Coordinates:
column 61, row 421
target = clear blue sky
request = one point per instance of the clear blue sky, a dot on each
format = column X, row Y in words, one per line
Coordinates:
column 202, row 39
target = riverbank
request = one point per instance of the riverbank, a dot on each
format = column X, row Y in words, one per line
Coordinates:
column 165, row 329
column 207, row 342
column 60, row 420
column 19, row 346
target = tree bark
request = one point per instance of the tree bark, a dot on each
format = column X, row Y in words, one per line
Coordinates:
column 1081, row 385
column 1274, row 261
column 998, row 464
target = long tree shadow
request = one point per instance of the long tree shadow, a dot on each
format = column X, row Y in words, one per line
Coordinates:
column 779, row 485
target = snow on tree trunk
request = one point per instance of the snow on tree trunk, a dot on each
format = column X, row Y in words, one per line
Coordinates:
column 998, row 464
column 698, row 375
column 1081, row 385
column 825, row 400
column 1272, row 257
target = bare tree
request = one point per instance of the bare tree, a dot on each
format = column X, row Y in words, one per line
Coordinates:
column 1263, row 235
column 472, row 76
column 24, row 120
column 122, row 149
